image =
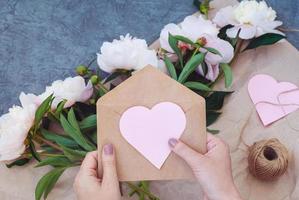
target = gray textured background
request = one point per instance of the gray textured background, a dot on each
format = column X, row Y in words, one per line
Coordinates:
column 41, row 41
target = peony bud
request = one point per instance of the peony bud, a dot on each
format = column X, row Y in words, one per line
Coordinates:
column 204, row 7
column 94, row 79
column 81, row 70
column 92, row 101
column 202, row 41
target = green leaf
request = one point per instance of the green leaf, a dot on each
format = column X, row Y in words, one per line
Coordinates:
column 170, row 68
column 215, row 100
column 173, row 42
column 204, row 67
column 263, row 40
column 228, row 75
column 75, row 132
column 33, row 150
column 235, row 40
column 73, row 155
column 42, row 110
column 89, row 122
column 212, row 50
column 214, row 132
column 93, row 136
column 190, row 66
column 19, row 162
column 203, row 6
column 212, row 116
column 55, row 161
column 52, row 117
column 184, row 39
column 59, row 109
column 72, row 119
column 55, row 137
column 47, row 182
column 197, row 86
column 48, row 149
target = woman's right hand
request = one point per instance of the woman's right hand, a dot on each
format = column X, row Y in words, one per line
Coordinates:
column 212, row 170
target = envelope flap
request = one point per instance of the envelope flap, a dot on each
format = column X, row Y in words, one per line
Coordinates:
column 149, row 86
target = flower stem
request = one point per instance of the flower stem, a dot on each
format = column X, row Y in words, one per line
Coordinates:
column 141, row 190
column 55, row 146
column 195, row 51
column 90, row 62
column 237, row 50
column 101, row 86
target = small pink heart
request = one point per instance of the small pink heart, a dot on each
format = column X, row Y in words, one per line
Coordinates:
column 148, row 130
column 273, row 100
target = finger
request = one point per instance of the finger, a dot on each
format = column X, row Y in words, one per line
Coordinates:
column 109, row 166
column 192, row 157
column 205, row 197
column 90, row 163
column 211, row 137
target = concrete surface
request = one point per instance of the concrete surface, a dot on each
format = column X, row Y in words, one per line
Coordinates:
column 41, row 41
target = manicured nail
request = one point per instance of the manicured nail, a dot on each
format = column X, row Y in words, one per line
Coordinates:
column 172, row 142
column 108, row 149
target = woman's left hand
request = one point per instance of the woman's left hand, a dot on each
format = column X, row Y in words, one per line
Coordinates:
column 93, row 185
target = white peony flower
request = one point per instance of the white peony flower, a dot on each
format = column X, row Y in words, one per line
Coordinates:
column 14, row 127
column 193, row 27
column 252, row 18
column 72, row 89
column 126, row 53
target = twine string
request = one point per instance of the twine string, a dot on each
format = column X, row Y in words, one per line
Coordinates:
column 268, row 159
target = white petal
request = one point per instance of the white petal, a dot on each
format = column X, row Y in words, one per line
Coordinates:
column 232, row 32
column 28, row 99
column 224, row 16
column 247, row 32
column 225, row 49
column 87, row 92
column 172, row 29
column 196, row 26
column 102, row 64
column 213, row 71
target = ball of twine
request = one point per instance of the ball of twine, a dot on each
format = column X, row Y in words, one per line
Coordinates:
column 268, row 159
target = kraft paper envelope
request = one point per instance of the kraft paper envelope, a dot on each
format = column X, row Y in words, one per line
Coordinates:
column 148, row 87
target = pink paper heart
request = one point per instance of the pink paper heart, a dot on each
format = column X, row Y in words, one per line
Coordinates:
column 148, row 130
column 273, row 100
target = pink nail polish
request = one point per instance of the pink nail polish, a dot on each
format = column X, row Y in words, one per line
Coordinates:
column 172, row 142
column 108, row 149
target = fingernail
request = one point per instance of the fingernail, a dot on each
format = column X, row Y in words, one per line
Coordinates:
column 172, row 142
column 108, row 149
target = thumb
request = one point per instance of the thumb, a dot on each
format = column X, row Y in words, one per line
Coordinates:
column 192, row 157
column 109, row 166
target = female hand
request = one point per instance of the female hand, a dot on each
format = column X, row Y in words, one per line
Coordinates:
column 91, row 185
column 212, row 170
